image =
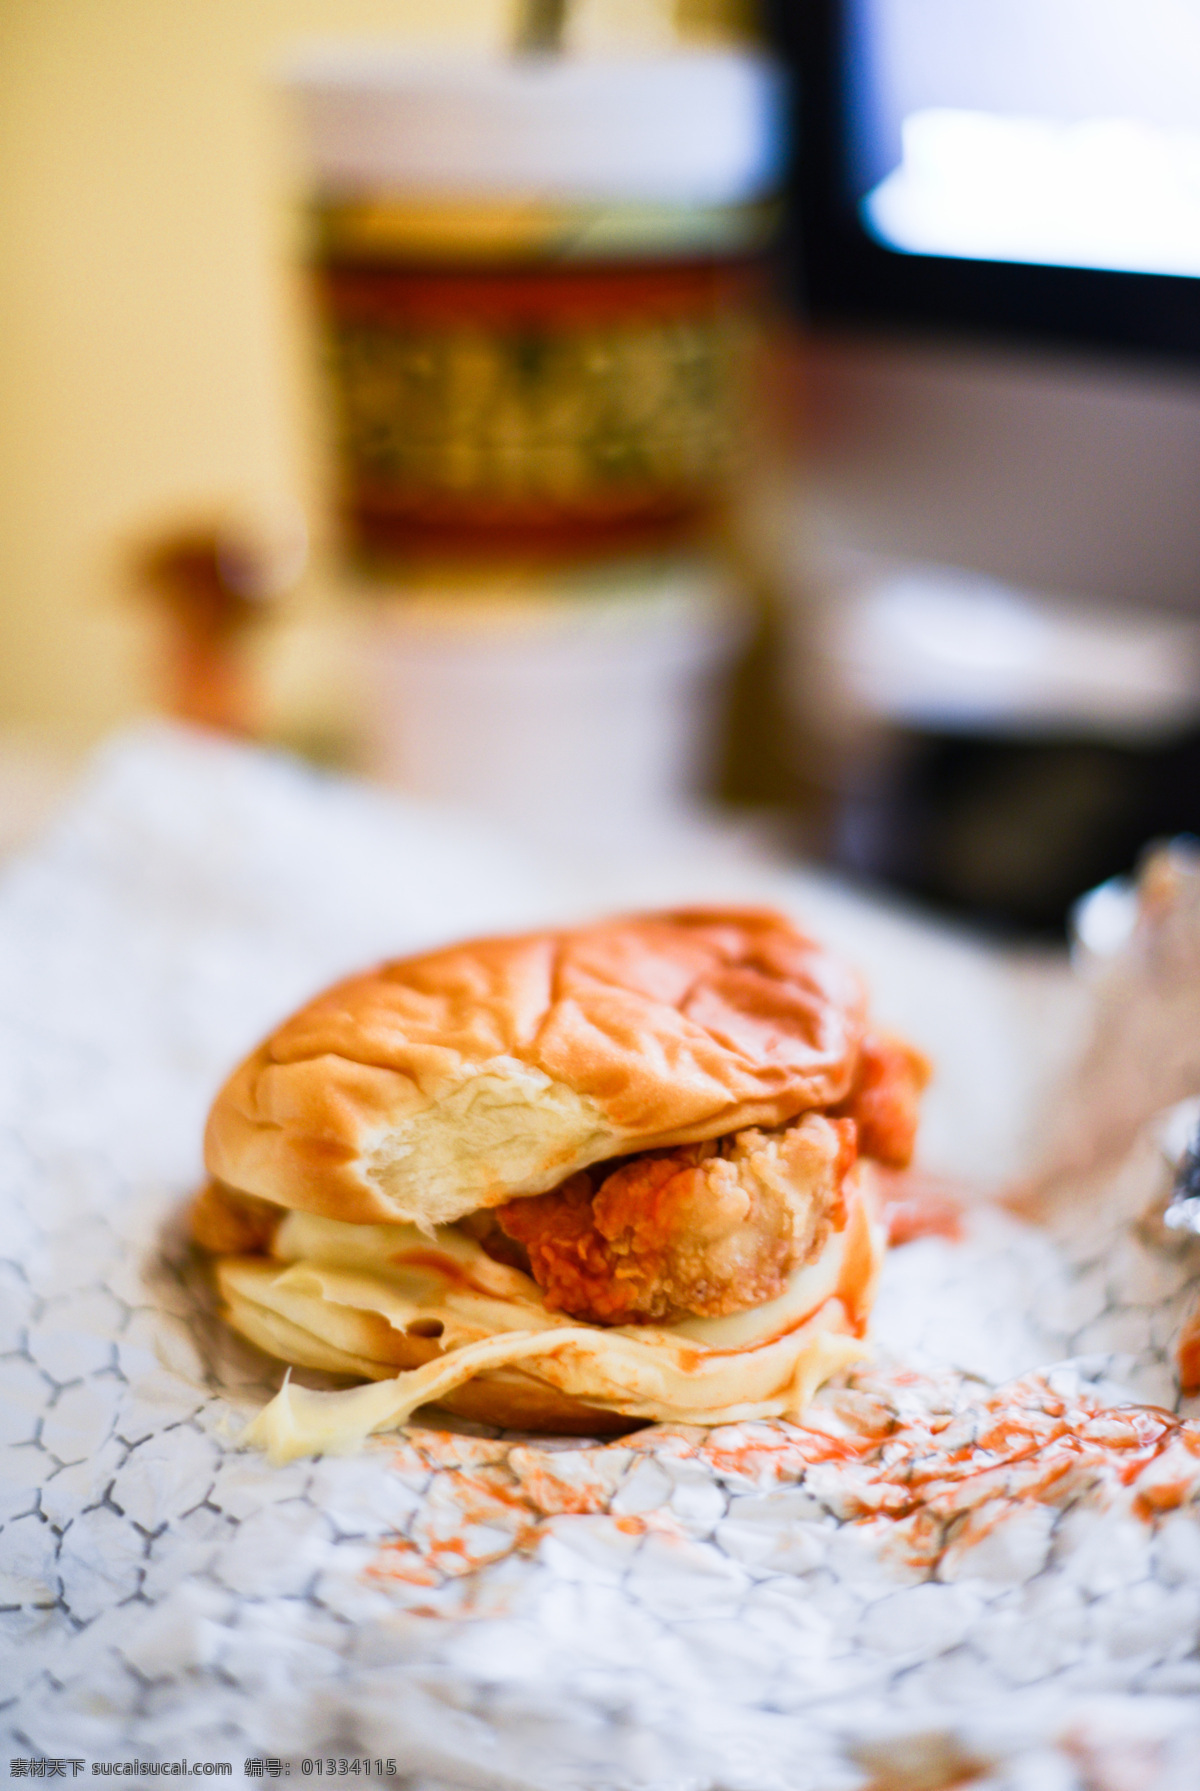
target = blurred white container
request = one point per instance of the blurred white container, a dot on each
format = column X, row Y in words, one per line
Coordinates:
column 940, row 648
column 571, row 717
column 994, row 749
column 693, row 127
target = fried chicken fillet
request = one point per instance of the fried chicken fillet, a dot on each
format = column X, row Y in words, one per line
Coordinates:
column 713, row 1228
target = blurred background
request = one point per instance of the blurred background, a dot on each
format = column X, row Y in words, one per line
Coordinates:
column 595, row 413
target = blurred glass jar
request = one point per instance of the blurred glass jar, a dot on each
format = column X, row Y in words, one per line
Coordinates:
column 540, row 279
column 581, row 708
column 993, row 750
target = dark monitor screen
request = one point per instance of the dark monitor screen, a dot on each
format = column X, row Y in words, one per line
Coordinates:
column 1024, row 166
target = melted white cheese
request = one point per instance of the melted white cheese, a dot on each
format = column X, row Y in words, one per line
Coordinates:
column 332, row 1282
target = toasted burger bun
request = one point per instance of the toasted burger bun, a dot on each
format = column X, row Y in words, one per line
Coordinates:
column 438, row 1085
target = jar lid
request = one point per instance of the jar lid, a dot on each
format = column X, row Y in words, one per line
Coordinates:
column 704, row 127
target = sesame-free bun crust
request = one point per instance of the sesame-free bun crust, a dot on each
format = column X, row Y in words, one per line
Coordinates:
column 436, row 1085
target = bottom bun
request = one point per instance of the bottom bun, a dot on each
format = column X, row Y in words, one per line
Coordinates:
column 435, row 1321
column 505, row 1397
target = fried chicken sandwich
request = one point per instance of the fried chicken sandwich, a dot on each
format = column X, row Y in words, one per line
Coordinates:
column 562, row 1182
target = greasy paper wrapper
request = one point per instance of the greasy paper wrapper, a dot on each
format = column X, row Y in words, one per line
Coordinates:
column 974, row 1555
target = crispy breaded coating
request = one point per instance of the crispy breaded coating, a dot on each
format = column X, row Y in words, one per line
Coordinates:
column 701, row 1230
column 884, row 1099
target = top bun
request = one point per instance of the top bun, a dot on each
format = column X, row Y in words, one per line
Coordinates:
column 436, row 1085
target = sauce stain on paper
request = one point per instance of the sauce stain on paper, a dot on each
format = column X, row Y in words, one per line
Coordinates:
column 937, row 1461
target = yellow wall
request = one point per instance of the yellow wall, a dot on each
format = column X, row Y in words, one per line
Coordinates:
column 153, row 360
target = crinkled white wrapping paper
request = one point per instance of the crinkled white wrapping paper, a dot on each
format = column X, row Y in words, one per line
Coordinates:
column 927, row 1580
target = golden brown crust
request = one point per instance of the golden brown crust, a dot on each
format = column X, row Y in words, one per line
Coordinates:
column 699, row 1231
column 436, row 1085
column 884, row 1100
